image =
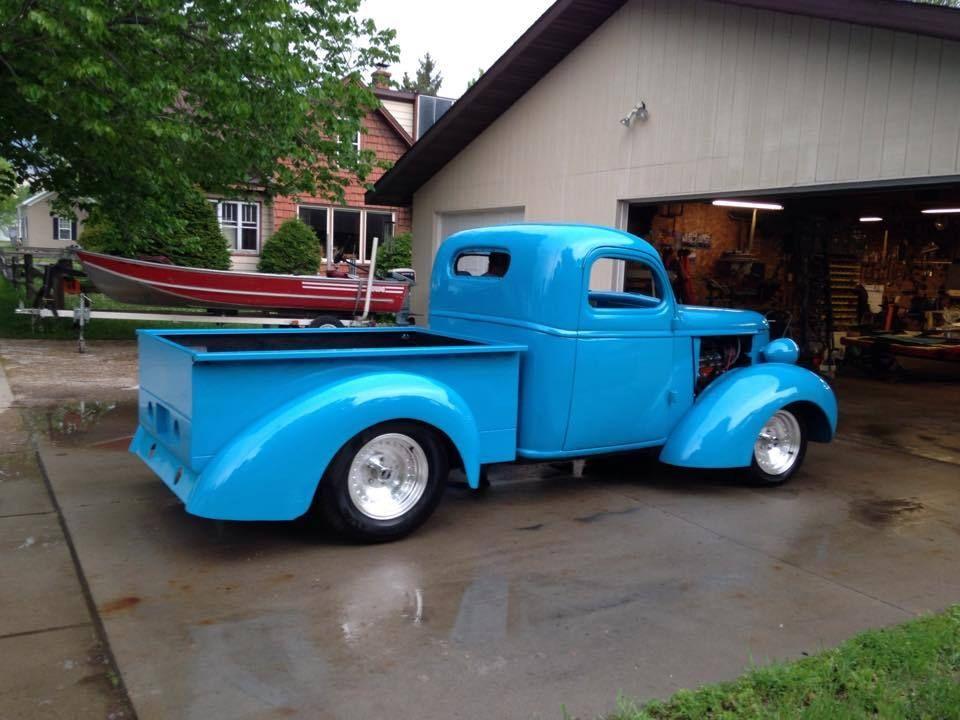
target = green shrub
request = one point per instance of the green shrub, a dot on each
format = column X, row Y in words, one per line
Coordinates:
column 193, row 239
column 198, row 242
column 292, row 250
column 101, row 235
column 397, row 253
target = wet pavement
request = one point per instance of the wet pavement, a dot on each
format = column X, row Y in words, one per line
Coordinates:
column 548, row 591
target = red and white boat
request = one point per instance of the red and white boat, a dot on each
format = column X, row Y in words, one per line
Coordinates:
column 140, row 282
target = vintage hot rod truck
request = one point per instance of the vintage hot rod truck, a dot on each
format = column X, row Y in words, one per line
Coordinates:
column 544, row 342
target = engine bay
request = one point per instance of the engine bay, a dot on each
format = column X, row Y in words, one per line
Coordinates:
column 719, row 355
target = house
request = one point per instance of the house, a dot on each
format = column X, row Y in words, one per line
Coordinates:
column 345, row 230
column 40, row 226
column 842, row 117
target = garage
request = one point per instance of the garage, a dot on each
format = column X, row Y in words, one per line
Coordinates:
column 455, row 222
column 867, row 281
column 795, row 158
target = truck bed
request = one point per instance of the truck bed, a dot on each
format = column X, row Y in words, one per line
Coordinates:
column 200, row 389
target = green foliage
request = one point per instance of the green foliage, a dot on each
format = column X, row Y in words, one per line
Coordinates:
column 11, row 194
column 473, row 81
column 908, row 671
column 428, row 79
column 398, row 253
column 292, row 250
column 132, row 103
column 191, row 238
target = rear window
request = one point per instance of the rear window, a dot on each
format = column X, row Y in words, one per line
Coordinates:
column 482, row 263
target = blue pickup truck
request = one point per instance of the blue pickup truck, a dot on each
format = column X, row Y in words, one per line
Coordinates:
column 544, row 342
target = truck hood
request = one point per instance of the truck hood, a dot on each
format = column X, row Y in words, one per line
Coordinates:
column 697, row 321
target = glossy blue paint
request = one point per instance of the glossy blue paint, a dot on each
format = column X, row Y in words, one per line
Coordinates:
column 783, row 350
column 721, row 427
column 242, row 424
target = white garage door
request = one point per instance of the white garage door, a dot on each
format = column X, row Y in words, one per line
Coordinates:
column 451, row 223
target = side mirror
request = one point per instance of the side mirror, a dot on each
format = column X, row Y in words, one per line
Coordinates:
column 783, row 350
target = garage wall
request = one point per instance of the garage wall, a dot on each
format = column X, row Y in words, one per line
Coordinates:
column 739, row 100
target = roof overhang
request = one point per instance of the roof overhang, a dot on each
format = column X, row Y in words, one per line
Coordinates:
column 562, row 28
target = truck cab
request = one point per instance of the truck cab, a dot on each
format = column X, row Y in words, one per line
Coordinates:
column 613, row 362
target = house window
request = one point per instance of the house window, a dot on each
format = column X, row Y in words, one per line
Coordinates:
column 356, row 143
column 240, row 225
column 63, row 229
column 345, row 233
column 376, row 228
column 316, row 218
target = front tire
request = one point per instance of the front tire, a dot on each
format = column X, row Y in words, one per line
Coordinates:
column 326, row 321
column 779, row 449
column 385, row 482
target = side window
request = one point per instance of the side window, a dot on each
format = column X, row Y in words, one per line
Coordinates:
column 619, row 283
column 482, row 263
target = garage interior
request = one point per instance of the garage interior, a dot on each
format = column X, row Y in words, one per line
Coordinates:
column 867, row 281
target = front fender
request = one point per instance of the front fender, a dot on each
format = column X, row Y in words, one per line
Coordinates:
column 271, row 471
column 719, row 430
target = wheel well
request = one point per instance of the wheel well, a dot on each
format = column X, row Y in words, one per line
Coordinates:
column 814, row 420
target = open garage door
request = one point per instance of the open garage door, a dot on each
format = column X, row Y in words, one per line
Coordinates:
column 454, row 222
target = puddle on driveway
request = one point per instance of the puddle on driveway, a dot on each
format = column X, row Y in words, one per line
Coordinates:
column 90, row 424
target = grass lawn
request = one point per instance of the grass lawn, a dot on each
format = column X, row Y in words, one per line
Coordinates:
column 908, row 671
column 20, row 326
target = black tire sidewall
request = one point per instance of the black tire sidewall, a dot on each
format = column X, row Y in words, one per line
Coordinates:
column 334, row 496
column 759, row 477
column 326, row 320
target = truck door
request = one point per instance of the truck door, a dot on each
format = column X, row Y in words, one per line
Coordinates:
column 622, row 394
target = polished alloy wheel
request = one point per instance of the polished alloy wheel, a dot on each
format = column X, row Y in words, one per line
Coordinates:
column 388, row 476
column 777, row 448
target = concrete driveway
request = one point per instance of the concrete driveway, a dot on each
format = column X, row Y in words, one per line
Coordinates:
column 548, row 591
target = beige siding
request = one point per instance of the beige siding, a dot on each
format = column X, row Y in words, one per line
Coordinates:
column 402, row 112
column 40, row 225
column 739, row 99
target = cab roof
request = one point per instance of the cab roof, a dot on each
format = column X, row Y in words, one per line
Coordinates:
column 544, row 281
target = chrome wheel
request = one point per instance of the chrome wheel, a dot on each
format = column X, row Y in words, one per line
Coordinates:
column 388, row 476
column 777, row 447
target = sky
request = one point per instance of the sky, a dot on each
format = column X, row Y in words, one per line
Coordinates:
column 461, row 36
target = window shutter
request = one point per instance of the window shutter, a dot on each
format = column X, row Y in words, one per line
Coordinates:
column 73, row 231
column 56, row 227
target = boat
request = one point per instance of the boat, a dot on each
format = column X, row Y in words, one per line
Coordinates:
column 142, row 282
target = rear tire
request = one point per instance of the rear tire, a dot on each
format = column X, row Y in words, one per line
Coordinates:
column 779, row 449
column 384, row 483
column 326, row 321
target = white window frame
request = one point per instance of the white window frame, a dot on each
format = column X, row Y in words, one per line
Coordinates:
column 356, row 143
column 328, row 250
column 61, row 223
column 240, row 225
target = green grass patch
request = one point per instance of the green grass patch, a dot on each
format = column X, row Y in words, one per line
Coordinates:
column 908, row 671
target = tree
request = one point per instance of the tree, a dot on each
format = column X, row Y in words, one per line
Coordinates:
column 131, row 104
column 11, row 195
column 428, row 79
column 292, row 250
column 195, row 241
column 473, row 81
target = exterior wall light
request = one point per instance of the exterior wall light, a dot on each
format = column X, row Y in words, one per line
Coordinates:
column 637, row 112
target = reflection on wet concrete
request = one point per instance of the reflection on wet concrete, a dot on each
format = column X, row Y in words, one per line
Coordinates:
column 482, row 617
column 244, row 667
column 91, row 424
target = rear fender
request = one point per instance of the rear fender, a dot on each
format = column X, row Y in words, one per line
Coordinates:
column 271, row 471
column 719, row 430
